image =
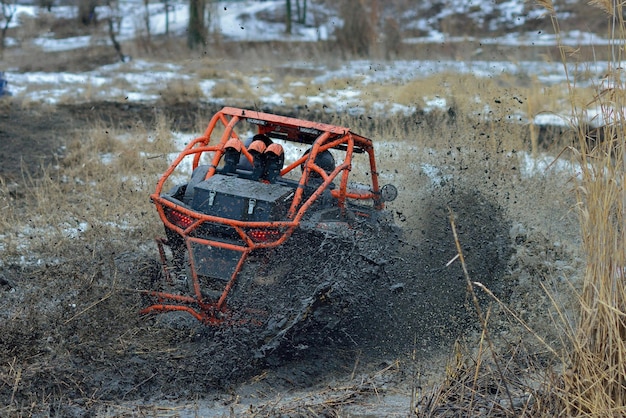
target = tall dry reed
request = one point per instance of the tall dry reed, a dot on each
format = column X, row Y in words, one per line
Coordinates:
column 595, row 376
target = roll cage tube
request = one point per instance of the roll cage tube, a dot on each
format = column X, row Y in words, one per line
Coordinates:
column 206, row 137
column 342, row 192
column 330, row 137
column 225, row 137
column 305, row 175
column 378, row 202
column 239, row 226
column 229, row 132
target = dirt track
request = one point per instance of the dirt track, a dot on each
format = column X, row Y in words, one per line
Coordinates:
column 71, row 331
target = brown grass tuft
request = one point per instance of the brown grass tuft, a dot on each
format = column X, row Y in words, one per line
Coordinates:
column 181, row 91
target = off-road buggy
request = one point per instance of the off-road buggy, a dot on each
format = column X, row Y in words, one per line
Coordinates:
column 250, row 237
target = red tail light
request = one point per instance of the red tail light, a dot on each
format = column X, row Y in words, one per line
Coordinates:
column 179, row 219
column 264, row 235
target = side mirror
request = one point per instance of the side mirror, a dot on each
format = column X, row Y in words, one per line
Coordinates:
column 388, row 193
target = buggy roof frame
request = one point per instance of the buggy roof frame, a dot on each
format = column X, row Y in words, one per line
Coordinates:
column 296, row 130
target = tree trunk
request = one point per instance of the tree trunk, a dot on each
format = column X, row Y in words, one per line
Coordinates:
column 113, row 19
column 8, row 11
column 166, row 3
column 288, row 17
column 196, row 32
column 298, row 11
column 301, row 12
column 146, row 5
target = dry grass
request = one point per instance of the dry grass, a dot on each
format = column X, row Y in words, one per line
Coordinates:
column 181, row 91
column 101, row 184
column 476, row 386
column 593, row 381
column 592, row 378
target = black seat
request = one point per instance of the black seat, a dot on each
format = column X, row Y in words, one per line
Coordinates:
column 198, row 175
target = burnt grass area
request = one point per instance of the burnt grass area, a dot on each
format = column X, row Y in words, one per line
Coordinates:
column 71, row 337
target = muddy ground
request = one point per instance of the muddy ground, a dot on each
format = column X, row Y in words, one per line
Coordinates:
column 73, row 344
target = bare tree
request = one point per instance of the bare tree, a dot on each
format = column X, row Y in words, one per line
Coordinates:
column 288, row 16
column 146, row 17
column 166, row 4
column 114, row 21
column 196, row 31
column 8, row 12
column 301, row 11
